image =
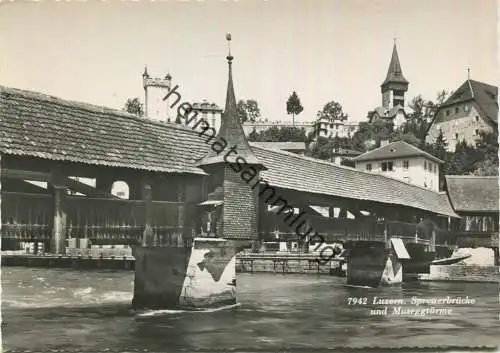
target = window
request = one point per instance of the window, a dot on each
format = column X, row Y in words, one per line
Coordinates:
column 369, row 167
column 456, row 136
column 425, row 165
column 477, row 118
column 386, row 166
column 477, row 131
column 331, row 126
column 447, row 112
column 406, row 164
column 435, row 168
column 457, row 110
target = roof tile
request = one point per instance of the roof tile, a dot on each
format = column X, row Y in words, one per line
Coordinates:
column 469, row 193
column 63, row 130
column 397, row 149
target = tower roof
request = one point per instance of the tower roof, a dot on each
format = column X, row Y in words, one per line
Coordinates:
column 230, row 131
column 395, row 73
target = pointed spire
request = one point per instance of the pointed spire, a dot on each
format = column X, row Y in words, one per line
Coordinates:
column 145, row 74
column 231, row 130
column 394, row 73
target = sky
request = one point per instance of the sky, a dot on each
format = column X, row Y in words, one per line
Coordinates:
column 95, row 51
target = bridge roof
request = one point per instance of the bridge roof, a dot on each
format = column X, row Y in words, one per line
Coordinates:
column 471, row 193
column 291, row 171
column 37, row 125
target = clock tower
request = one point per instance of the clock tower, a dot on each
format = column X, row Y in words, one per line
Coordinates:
column 395, row 85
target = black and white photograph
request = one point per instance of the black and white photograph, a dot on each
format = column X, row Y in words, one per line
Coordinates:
column 249, row 176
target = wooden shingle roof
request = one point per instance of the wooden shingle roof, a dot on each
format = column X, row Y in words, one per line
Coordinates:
column 37, row 125
column 395, row 72
column 469, row 193
column 485, row 96
column 291, row 171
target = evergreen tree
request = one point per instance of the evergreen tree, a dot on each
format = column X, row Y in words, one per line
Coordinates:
column 440, row 146
column 293, row 106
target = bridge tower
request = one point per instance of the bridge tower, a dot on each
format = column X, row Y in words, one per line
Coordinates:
column 203, row 274
column 235, row 171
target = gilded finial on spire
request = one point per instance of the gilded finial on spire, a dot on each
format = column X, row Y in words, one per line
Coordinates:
column 228, row 38
column 468, row 73
column 145, row 74
column 395, row 39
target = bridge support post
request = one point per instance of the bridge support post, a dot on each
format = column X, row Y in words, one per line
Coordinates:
column 58, row 240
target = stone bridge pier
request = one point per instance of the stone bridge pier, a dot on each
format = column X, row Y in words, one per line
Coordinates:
column 200, row 276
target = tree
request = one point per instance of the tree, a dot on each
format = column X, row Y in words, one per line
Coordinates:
column 487, row 148
column 321, row 149
column 283, row 134
column 293, row 106
column 440, row 146
column 486, row 168
column 463, row 161
column 253, row 136
column 371, row 135
column 247, row 110
column 134, row 106
column 332, row 111
column 408, row 137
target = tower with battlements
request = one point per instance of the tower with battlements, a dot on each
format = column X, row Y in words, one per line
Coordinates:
column 155, row 89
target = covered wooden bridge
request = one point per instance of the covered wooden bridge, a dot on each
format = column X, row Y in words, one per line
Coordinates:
column 55, row 141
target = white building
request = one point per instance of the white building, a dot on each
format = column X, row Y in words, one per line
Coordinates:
column 210, row 112
column 325, row 127
column 402, row 161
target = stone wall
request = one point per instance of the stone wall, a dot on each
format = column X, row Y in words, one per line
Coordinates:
column 462, row 122
column 462, row 273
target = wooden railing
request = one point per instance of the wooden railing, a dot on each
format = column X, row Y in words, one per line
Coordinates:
column 476, row 238
column 330, row 229
column 28, row 217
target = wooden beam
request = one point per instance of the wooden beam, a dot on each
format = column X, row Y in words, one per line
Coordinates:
column 147, row 236
column 24, row 174
column 87, row 189
column 62, row 181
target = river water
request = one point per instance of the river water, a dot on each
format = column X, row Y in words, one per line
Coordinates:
column 47, row 309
